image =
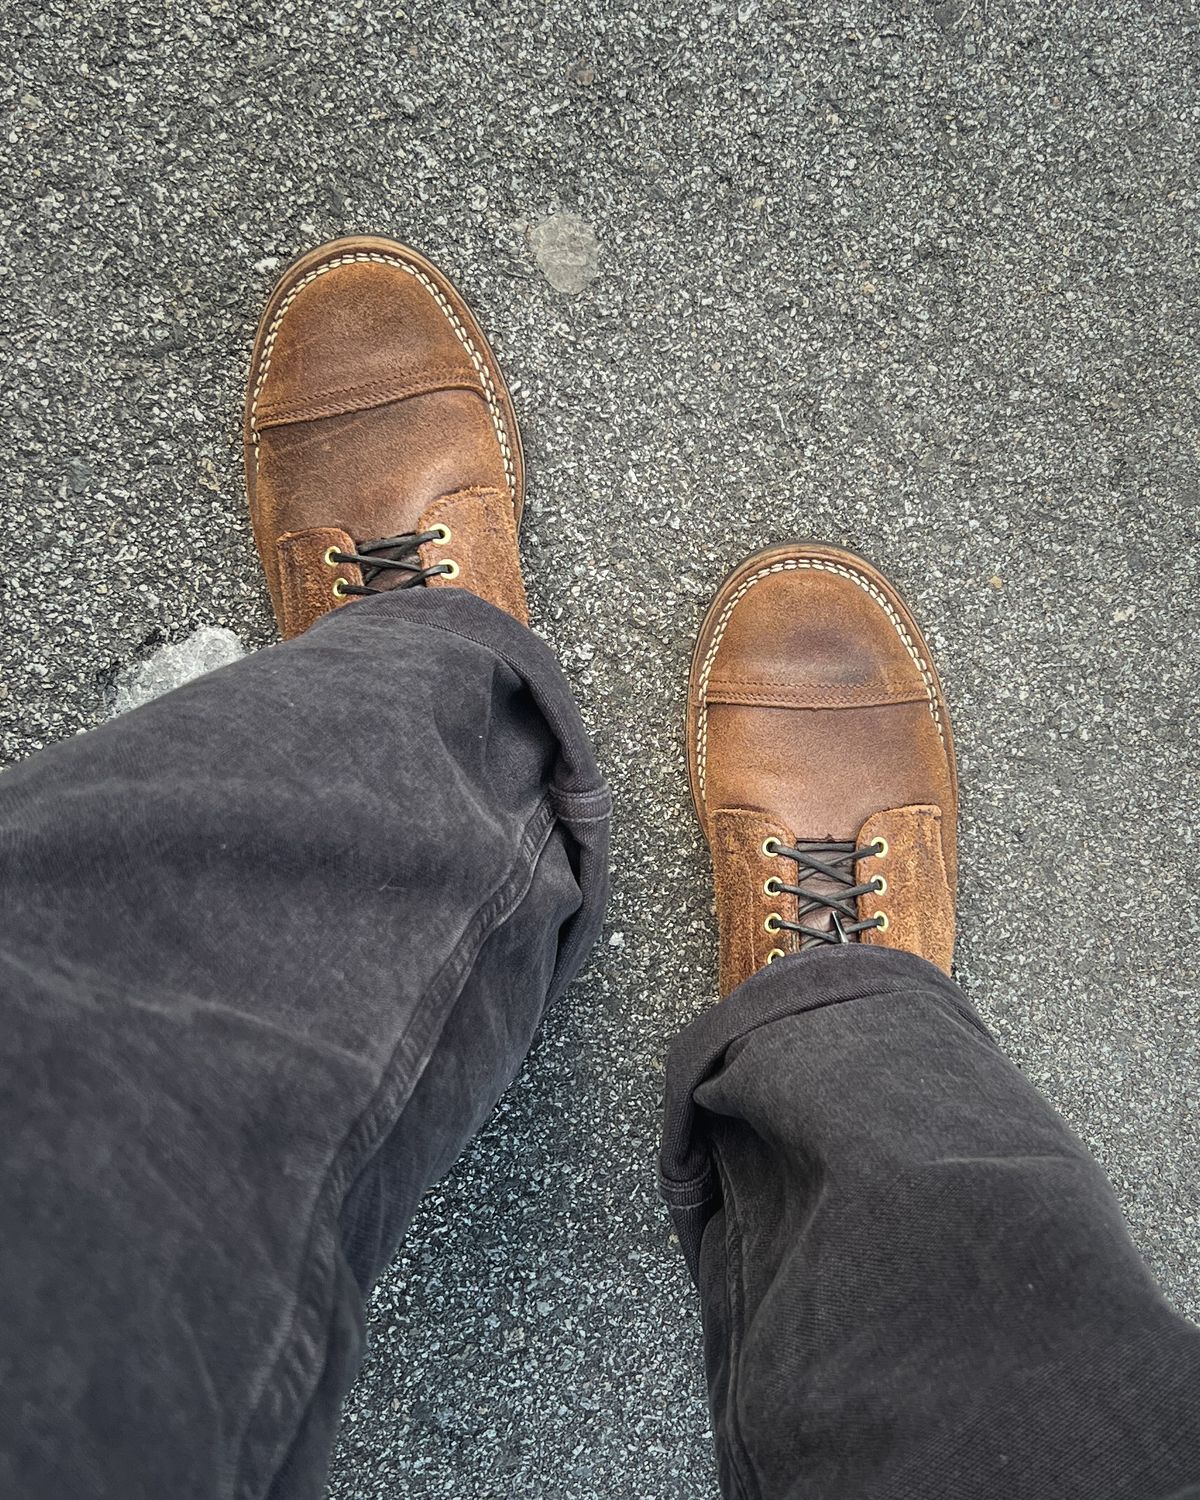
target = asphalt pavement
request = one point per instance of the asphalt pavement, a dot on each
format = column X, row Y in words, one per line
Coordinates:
column 916, row 278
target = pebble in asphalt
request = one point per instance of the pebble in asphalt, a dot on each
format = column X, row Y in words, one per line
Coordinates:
column 919, row 279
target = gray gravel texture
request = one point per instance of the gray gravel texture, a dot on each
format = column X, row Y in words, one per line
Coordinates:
column 916, row 278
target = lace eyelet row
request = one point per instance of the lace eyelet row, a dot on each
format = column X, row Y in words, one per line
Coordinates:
column 773, row 886
column 437, row 536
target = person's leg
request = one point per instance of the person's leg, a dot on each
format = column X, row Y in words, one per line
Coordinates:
column 914, row 1280
column 271, row 946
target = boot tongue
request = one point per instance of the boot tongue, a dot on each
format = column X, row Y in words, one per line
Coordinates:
column 382, row 575
column 818, row 886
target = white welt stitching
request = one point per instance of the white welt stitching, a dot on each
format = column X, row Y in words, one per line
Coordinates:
column 464, row 338
column 804, row 565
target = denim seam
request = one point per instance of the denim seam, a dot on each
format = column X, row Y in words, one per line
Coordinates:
column 689, row 1194
column 740, row 1464
column 565, row 798
column 581, row 931
column 356, row 1147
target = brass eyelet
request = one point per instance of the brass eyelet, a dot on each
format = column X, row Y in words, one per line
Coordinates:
column 880, row 884
column 442, row 534
column 880, row 848
column 773, row 922
column 881, row 921
column 770, row 846
column 330, row 560
column 772, row 886
column 774, row 954
column 450, row 569
column 339, row 588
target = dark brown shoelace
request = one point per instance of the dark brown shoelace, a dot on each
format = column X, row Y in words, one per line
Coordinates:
column 833, row 866
column 391, row 554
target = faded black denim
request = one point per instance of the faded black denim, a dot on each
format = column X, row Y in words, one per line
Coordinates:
column 270, row 949
column 915, row 1282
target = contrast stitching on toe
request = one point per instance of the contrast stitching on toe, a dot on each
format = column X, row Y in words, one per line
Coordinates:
column 803, row 694
column 476, row 357
column 355, row 398
column 794, row 565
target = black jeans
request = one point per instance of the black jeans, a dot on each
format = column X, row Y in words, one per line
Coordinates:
column 915, row 1281
column 271, row 947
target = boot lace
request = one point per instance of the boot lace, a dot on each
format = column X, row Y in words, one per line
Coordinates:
column 826, row 881
column 391, row 554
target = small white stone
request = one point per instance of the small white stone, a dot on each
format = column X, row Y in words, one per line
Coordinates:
column 567, row 252
column 202, row 651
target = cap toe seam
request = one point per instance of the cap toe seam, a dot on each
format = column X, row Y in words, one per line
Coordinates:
column 792, row 565
column 378, row 257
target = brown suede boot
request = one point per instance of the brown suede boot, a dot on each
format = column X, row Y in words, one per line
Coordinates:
column 381, row 445
column 821, row 763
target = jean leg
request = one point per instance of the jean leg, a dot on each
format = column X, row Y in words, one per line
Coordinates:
column 915, row 1281
column 270, row 948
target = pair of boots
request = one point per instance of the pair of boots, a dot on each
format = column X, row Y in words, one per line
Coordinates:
column 382, row 451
